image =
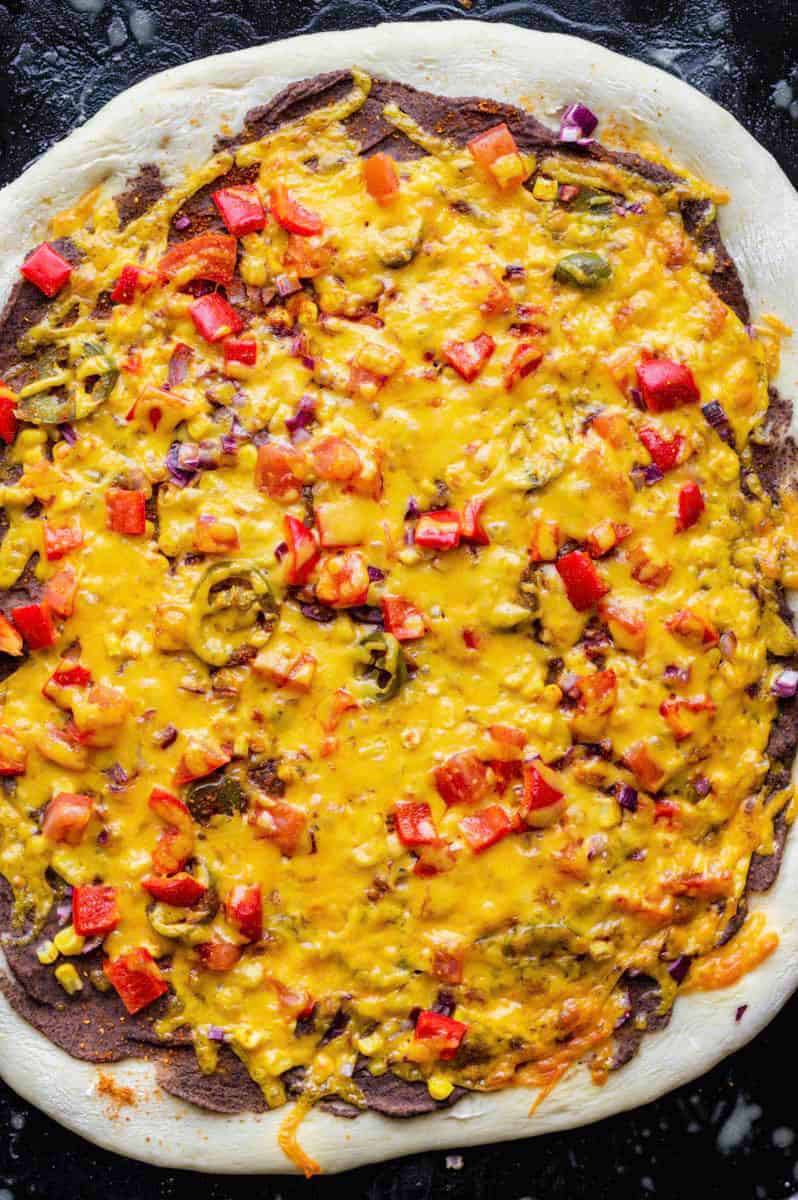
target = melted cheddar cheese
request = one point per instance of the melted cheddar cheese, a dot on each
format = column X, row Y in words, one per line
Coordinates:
column 617, row 746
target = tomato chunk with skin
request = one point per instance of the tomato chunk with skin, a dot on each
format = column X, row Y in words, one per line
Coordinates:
column 35, row 624
column 343, row 580
column 210, row 256
column 414, row 824
column 66, row 818
column 244, row 910
column 10, row 640
column 95, row 911
column 240, row 208
column 60, row 540
column 336, row 459
column 539, row 790
column 280, row 470
column 462, row 779
column 125, row 511
column 200, row 758
column 496, row 151
column 444, row 1031
column 382, row 181
column 403, row 619
column 46, row 270
column 665, row 454
column 131, row 279
column 13, row 755
column 665, row 385
column 136, row 979
column 689, row 624
column 469, row 358
column 215, row 318
column 525, row 359
column 439, row 530
column 291, row 215
column 217, row 955
column 691, row 506
column 583, row 584
column 243, row 351
column 60, row 592
column 485, row 828
column 281, row 823
column 472, row 529
column 180, row 889
column 647, row 772
column 303, row 548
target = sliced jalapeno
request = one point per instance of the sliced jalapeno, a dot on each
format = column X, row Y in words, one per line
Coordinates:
column 186, row 924
column 46, row 408
column 380, row 665
column 232, row 601
column 584, row 269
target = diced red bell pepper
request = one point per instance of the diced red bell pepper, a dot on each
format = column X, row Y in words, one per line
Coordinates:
column 217, row 955
column 471, row 529
column 486, row 828
column 200, row 758
column 492, row 149
column 13, row 755
column 668, row 810
column 47, row 270
column 675, row 708
column 382, row 181
column 444, row 1031
column 691, row 505
column 244, row 910
column 539, row 791
column 343, row 580
column 136, row 978
column 60, row 592
column 95, row 911
column 665, row 385
column 69, row 674
column 8, row 419
column 60, row 540
column 583, row 584
column 132, row 279
column 66, row 817
column 469, row 358
column 691, row 625
column 303, row 551
column 35, row 624
column 10, row 640
column 664, row 454
column 403, row 619
column 525, row 359
column 125, row 511
column 210, row 256
column 172, row 850
column 439, row 530
column 241, row 350
column 240, row 208
column 180, row 890
column 292, row 215
column 170, row 808
column 462, row 779
column 282, row 823
column 414, row 824
column 214, row 317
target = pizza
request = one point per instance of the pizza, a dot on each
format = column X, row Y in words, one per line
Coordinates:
column 398, row 698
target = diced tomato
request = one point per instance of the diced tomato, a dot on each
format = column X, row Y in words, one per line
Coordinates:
column 70, row 674
column 496, row 152
column 471, row 529
column 241, row 350
column 597, row 697
column 691, row 506
column 462, row 779
column 280, row 471
column 539, row 789
column 668, row 810
column 66, row 817
column 132, row 364
column 605, row 537
column 646, row 771
column 646, row 571
column 505, row 772
column 336, row 459
column 94, row 910
column 180, row 890
column 132, row 279
column 545, row 541
column 664, row 454
column 525, row 359
column 583, row 584
column 60, row 540
column 676, row 708
column 136, row 978
column 665, row 385
column 469, row 358
column 414, row 824
column 444, row 1031
column 8, row 419
column 217, row 955
column 60, row 592
column 627, row 625
column 343, row 580
column 691, row 625
column 282, row 823
column 244, row 910
column 497, row 298
column 35, row 624
column 447, row 965
column 13, row 755
column 433, row 859
column 47, row 270
column 200, row 758
column 210, row 256
column 170, row 808
column 125, row 511
column 303, row 550
column 212, row 535
column 403, row 619
column 486, row 828
column 214, row 317
column 240, row 208
column 509, row 739
column 10, row 640
column 305, row 258
column 172, row 850
column 382, row 181
column 472, row 639
column 439, row 530
column 292, row 215
column 612, row 427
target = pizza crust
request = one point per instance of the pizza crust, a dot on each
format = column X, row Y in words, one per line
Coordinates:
column 173, row 121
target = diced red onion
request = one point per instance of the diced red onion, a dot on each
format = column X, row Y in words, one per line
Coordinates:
column 727, row 643
column 679, row 967
column 104, row 836
column 287, row 285
column 716, row 417
column 280, row 551
column 63, row 912
column 366, row 614
column 636, row 396
column 514, row 271
column 676, row 674
column 182, row 222
column 785, row 685
column 638, row 478
column 165, row 737
column 181, row 476
column 652, row 474
column 216, row 1034
column 304, row 416
column 741, row 1011
column 318, row 612
column 627, row 797
column 91, row 944
column 178, row 364
column 576, row 125
column 68, row 433
column 568, row 682
column 412, row 511
column 229, row 443
column 375, row 574
column 701, row 786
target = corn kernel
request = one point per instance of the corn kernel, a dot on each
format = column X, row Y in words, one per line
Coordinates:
column 69, row 979
column 66, row 941
column 439, row 1087
column 47, row 952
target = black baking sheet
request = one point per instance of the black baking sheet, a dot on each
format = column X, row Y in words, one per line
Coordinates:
column 733, row 1133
